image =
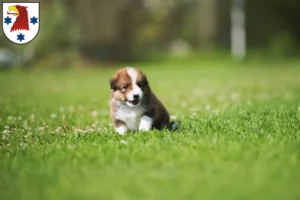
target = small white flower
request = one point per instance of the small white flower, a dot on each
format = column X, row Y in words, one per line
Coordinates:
column 88, row 129
column 61, row 109
column 32, row 116
column 9, row 117
column 124, row 142
column 6, row 132
column 216, row 111
column 71, row 108
column 94, row 113
column 58, row 129
column 6, row 127
column 19, row 118
column 77, row 130
column 71, row 147
column 235, row 96
column 41, row 128
column 53, row 115
column 208, row 107
column 25, row 124
column 195, row 109
column 173, row 117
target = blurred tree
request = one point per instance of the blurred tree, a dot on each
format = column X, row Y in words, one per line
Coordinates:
column 238, row 32
column 126, row 30
column 207, row 23
column 274, row 24
column 106, row 28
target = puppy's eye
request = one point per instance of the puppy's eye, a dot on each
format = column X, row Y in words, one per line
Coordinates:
column 124, row 88
column 142, row 84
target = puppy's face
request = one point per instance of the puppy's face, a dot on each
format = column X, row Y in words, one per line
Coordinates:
column 129, row 85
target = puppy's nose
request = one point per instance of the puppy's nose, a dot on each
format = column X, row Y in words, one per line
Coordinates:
column 135, row 96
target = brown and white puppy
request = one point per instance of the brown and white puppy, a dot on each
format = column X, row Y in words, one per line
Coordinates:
column 133, row 106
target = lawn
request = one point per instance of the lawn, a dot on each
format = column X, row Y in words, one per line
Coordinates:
column 239, row 136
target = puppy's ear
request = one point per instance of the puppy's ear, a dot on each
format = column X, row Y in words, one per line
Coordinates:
column 145, row 80
column 112, row 83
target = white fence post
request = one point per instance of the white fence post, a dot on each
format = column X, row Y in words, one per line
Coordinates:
column 238, row 32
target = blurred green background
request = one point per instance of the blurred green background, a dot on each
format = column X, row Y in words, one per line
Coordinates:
column 88, row 32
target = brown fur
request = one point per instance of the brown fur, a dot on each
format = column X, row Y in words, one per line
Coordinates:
column 121, row 84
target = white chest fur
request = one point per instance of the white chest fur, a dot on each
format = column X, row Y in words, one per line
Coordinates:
column 130, row 115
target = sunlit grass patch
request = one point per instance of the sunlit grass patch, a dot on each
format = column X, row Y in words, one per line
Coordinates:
column 238, row 137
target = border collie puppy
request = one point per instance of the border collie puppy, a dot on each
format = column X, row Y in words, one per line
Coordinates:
column 133, row 106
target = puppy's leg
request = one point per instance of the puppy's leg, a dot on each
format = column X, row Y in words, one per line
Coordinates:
column 146, row 123
column 120, row 127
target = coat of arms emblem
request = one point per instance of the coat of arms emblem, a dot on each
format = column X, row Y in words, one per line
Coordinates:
column 21, row 21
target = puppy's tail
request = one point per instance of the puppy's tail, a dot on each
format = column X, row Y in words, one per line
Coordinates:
column 173, row 126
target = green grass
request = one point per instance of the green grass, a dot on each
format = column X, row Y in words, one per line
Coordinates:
column 239, row 136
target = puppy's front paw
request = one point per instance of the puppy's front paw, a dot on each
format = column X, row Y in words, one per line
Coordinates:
column 121, row 129
column 144, row 128
column 146, row 123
